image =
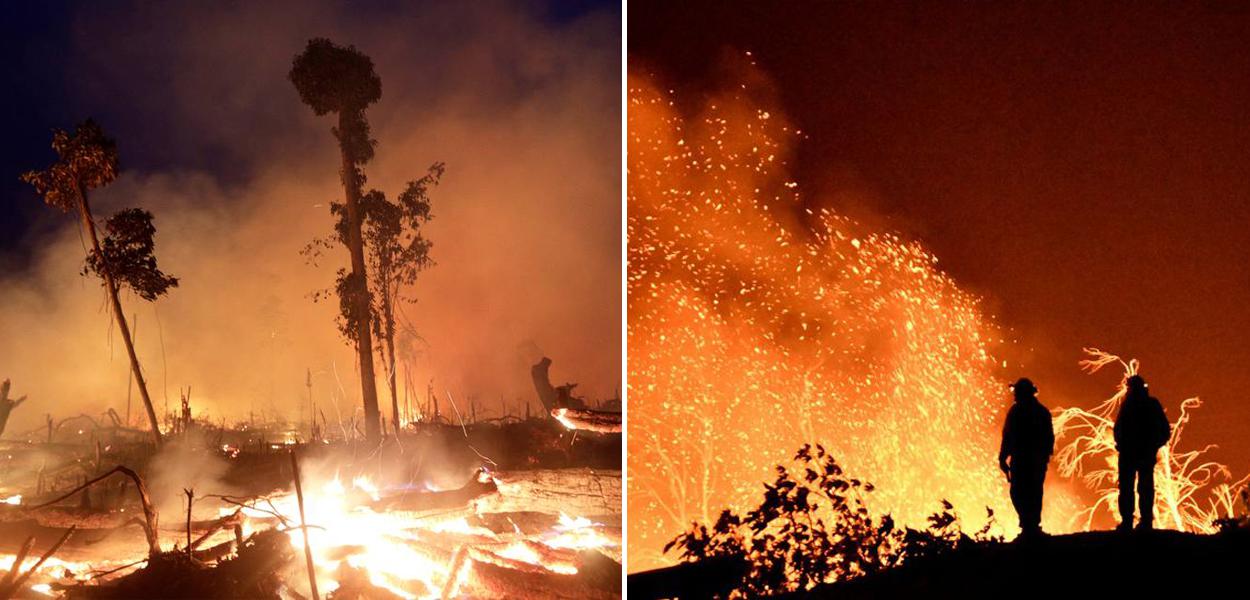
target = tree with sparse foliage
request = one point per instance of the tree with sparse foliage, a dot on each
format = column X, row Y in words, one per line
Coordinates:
column 398, row 251
column 334, row 79
column 88, row 160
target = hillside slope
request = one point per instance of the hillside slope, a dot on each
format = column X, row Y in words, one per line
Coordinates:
column 1104, row 564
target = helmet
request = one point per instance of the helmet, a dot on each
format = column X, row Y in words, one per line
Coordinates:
column 1023, row 387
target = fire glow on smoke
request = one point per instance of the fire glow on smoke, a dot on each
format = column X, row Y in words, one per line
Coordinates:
column 756, row 326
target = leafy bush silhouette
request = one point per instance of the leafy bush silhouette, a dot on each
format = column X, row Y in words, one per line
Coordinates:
column 813, row 526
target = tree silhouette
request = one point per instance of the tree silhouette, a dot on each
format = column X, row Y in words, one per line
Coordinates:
column 88, row 160
column 812, row 527
column 331, row 78
column 397, row 253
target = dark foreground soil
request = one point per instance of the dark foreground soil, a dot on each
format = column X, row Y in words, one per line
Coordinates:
column 1106, row 565
column 1103, row 564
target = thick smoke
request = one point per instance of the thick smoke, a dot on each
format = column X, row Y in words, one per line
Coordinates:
column 523, row 110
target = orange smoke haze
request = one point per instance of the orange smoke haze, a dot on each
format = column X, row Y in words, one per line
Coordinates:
column 756, row 326
column 526, row 231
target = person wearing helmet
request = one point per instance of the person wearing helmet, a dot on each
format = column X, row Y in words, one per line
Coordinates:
column 1028, row 442
column 1141, row 428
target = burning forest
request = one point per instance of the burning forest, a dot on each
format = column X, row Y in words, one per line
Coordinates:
column 363, row 406
column 793, row 326
column 759, row 324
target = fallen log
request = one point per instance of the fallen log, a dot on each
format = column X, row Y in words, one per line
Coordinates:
column 493, row 581
column 481, row 485
column 61, row 517
column 544, row 557
column 574, row 492
column 149, row 513
column 588, row 420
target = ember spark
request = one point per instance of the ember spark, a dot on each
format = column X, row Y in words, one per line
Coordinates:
column 757, row 325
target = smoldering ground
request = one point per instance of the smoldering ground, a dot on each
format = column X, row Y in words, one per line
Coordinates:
column 523, row 108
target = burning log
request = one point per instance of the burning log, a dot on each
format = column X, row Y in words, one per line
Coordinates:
column 58, row 517
column 588, row 420
column 491, row 580
column 354, row 584
column 481, row 485
column 569, row 491
column 12, row 581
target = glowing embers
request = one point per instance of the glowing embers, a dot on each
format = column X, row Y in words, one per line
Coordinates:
column 758, row 323
column 413, row 554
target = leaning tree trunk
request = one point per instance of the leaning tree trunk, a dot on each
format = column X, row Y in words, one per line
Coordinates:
column 355, row 243
column 110, row 285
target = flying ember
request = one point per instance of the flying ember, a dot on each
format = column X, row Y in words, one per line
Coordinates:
column 758, row 324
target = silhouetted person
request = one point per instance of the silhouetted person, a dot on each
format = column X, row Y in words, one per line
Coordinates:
column 1028, row 441
column 1141, row 429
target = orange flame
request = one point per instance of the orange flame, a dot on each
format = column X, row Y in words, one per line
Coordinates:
column 756, row 325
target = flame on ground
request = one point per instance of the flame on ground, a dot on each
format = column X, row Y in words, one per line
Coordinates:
column 411, row 555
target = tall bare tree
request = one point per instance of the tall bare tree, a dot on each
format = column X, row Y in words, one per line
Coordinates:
column 88, row 160
column 334, row 79
column 398, row 251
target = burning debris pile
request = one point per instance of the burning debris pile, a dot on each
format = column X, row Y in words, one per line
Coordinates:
column 427, row 514
column 548, row 533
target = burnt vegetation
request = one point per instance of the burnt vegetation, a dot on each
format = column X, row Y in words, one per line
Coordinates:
column 497, row 506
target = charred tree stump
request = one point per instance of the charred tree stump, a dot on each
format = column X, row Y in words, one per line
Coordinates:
column 588, row 420
column 7, row 405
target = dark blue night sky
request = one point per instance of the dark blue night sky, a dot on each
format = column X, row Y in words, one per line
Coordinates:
column 49, row 83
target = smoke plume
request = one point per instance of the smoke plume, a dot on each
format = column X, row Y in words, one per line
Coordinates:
column 522, row 107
